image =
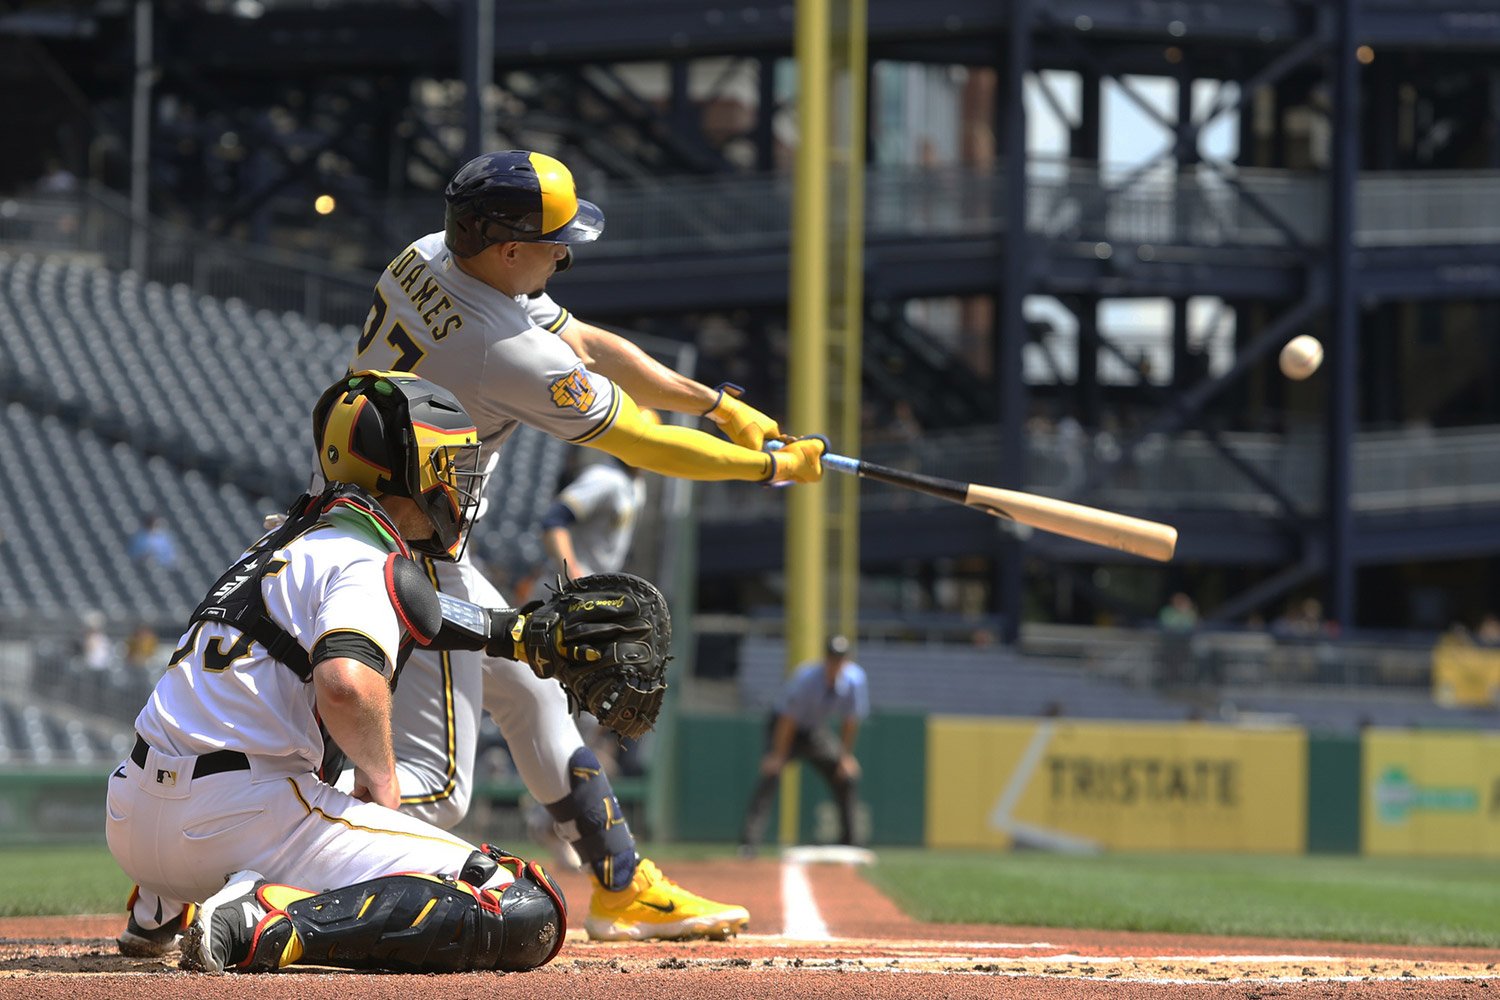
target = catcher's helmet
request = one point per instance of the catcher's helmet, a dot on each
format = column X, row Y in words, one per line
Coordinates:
column 395, row 434
column 516, row 195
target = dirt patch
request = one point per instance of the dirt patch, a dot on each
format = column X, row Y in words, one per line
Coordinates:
column 872, row 951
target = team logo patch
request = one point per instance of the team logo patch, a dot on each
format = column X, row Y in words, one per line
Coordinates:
column 573, row 390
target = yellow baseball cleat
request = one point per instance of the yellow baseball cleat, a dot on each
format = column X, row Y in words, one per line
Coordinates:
column 652, row 906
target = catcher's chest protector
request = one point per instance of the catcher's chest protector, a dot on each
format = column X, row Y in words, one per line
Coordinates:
column 235, row 598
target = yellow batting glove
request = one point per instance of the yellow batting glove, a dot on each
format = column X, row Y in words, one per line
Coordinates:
column 800, row 461
column 741, row 423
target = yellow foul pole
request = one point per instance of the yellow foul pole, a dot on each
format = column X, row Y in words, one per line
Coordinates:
column 850, row 51
column 807, row 515
column 827, row 309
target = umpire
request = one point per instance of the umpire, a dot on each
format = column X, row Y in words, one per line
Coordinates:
column 816, row 693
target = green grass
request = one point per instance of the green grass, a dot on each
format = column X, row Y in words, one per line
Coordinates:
column 1402, row 901
column 1405, row 901
column 57, row 880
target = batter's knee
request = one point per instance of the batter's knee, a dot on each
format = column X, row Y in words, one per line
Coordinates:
column 444, row 809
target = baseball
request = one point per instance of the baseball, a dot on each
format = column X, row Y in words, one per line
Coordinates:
column 1301, row 357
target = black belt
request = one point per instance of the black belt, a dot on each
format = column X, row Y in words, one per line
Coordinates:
column 208, row 763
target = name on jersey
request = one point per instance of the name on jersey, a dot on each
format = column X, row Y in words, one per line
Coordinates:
column 573, row 390
column 423, row 290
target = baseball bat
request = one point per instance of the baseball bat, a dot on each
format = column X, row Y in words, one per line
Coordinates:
column 1135, row 535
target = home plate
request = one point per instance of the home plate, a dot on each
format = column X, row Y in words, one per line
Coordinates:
column 828, row 854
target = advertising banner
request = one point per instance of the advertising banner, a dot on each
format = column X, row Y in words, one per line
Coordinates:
column 1119, row 786
column 1431, row 793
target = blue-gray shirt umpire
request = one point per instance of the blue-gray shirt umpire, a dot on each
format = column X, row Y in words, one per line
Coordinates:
column 810, row 703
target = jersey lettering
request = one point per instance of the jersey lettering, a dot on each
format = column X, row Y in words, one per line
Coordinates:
column 189, row 643
column 411, row 354
column 373, row 322
column 400, row 264
column 573, row 390
column 421, row 298
column 216, row 659
column 442, row 303
column 411, row 278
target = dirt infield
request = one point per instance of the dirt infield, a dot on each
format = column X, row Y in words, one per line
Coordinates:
column 818, row 931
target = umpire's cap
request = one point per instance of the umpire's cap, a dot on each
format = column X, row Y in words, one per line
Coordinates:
column 516, row 195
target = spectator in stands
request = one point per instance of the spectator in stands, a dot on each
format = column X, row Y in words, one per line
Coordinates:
column 141, row 649
column 95, row 649
column 56, row 180
column 816, row 694
column 154, row 543
column 1488, row 632
column 1179, row 614
column 1178, row 617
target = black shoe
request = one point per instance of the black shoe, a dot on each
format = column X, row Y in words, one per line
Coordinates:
column 224, row 929
column 136, row 941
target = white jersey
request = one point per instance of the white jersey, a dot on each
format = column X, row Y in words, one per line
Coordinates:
column 498, row 354
column 223, row 692
column 606, row 500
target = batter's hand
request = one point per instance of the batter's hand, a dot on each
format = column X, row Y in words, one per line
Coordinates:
column 799, row 461
column 742, row 423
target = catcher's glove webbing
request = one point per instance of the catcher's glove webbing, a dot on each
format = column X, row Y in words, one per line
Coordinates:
column 605, row 638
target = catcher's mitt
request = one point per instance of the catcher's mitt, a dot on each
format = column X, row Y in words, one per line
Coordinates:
column 605, row 639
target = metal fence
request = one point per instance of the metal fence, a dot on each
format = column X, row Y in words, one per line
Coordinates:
column 1081, row 205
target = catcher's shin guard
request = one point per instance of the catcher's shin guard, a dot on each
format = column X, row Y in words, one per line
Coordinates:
column 414, row 923
column 591, row 820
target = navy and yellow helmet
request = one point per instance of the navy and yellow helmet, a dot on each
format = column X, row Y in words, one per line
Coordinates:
column 516, row 195
column 396, row 434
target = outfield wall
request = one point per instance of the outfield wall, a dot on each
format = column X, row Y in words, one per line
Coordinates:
column 988, row 783
column 967, row 782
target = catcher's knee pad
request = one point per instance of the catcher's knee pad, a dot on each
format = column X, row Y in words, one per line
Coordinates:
column 423, row 923
column 591, row 819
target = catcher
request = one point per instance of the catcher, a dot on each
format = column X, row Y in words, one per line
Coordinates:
column 291, row 658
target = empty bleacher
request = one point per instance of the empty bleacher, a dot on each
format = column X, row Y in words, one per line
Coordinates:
column 121, row 398
column 961, row 680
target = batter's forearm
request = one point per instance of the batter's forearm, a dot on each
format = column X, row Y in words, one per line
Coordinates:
column 678, row 451
column 649, row 382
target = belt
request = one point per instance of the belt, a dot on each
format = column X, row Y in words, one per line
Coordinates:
column 216, row 762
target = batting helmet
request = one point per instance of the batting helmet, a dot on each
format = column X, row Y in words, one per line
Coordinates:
column 395, row 434
column 516, row 195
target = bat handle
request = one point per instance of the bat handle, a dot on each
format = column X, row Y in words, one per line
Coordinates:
column 838, row 463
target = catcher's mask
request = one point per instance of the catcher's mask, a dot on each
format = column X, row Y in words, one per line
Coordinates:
column 517, row 196
column 395, row 434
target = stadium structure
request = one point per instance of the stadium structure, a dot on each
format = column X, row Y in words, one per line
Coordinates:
column 1090, row 225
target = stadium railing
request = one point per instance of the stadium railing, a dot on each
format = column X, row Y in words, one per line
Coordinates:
column 1083, row 205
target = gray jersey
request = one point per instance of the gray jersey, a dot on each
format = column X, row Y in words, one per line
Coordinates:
column 502, row 358
column 605, row 499
column 499, row 355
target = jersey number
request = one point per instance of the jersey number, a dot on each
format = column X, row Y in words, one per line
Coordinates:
column 409, row 355
column 212, row 654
